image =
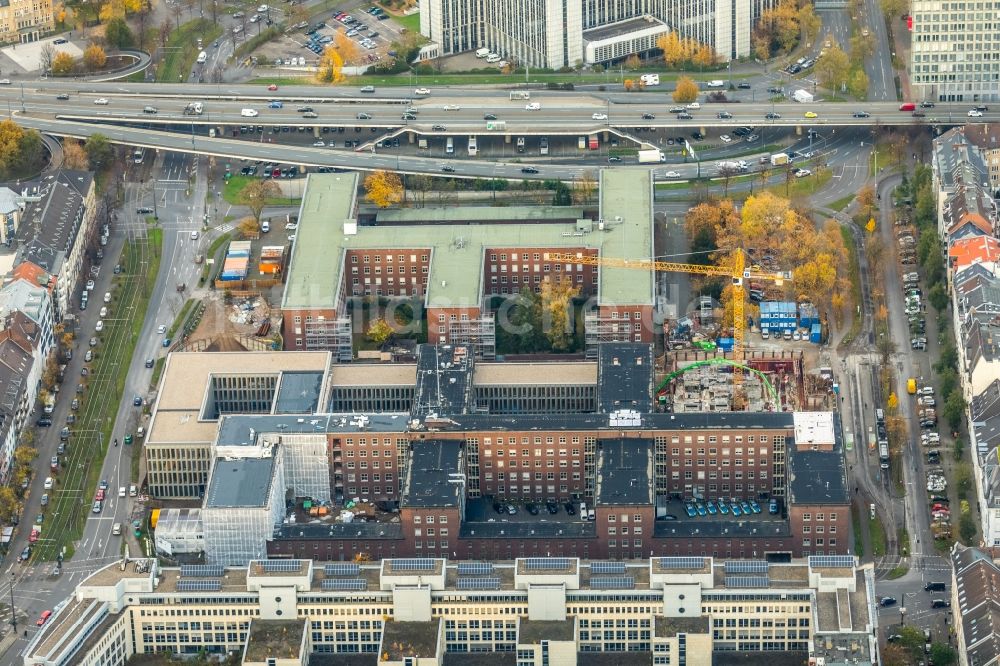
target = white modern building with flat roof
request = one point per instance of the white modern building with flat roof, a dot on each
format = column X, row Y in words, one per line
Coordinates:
column 955, row 53
column 559, row 610
column 568, row 33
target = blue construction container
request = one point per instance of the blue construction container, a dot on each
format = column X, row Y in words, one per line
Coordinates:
column 808, row 315
column 726, row 344
column 816, row 333
column 778, row 315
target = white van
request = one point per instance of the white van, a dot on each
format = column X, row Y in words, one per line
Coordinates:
column 532, row 106
column 482, row 53
column 249, row 113
column 202, row 58
column 265, row 226
column 493, row 57
column 48, row 483
column 650, row 79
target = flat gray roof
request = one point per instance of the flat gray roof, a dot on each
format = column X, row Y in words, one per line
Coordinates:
column 622, row 28
column 457, row 251
column 239, row 483
column 298, row 392
column 314, row 267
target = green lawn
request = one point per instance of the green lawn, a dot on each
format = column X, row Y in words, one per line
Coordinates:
column 410, row 22
column 854, row 275
column 491, row 78
column 802, row 186
column 840, row 204
column 181, row 317
column 231, row 193
column 859, row 543
column 877, row 532
column 94, row 429
column 182, row 49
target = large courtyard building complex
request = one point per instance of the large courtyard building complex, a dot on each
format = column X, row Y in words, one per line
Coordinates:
column 567, row 33
column 452, row 261
column 955, row 55
column 431, row 458
column 530, row 611
column 24, row 21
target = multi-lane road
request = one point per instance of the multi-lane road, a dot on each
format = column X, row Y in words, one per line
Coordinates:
column 458, row 112
column 442, row 112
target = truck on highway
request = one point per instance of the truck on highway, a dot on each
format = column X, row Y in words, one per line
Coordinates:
column 717, row 83
column 496, row 125
column 734, row 166
column 778, row 159
column 803, row 96
column 193, row 109
column 652, row 156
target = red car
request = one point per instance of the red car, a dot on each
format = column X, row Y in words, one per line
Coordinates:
column 272, row 87
column 99, row 497
column 33, row 537
column 43, row 618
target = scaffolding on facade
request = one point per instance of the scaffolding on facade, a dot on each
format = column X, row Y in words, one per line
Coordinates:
column 332, row 335
column 478, row 334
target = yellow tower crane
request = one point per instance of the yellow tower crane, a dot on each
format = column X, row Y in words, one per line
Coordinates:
column 738, row 272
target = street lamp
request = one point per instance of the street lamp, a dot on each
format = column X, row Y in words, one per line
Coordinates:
column 13, row 611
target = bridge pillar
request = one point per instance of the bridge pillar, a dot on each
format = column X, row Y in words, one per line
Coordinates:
column 798, row 130
column 507, row 138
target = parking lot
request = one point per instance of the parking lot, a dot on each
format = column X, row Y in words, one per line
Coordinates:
column 303, row 45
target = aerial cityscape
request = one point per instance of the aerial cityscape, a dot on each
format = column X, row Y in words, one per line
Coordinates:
column 500, row 332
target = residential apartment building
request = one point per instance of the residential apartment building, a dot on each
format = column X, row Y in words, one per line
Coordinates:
column 975, row 596
column 35, row 303
column 661, row 610
column 954, row 51
column 450, row 263
column 20, row 380
column 23, row 21
column 986, row 137
column 569, row 33
column 968, row 224
column 56, row 230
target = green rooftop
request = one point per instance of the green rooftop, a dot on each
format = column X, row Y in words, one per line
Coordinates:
column 457, row 250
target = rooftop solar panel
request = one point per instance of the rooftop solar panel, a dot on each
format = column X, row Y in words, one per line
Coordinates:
column 747, row 581
column 413, row 564
column 607, row 567
column 612, row 582
column 281, row 566
column 474, row 568
column 341, row 569
column 202, row 570
column 345, row 584
column 487, row 583
column 747, row 566
column 546, row 563
column 682, row 562
column 199, row 585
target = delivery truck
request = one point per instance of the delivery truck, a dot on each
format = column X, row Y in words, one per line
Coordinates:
column 652, row 156
column 803, row 96
column 779, row 159
column 734, row 166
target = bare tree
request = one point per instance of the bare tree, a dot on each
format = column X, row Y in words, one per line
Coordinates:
column 726, row 173
column 176, row 10
column 45, row 57
column 164, row 32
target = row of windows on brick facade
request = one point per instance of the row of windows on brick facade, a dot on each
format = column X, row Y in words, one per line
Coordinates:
column 388, row 270
column 689, row 475
column 364, row 478
column 550, row 476
column 388, row 258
